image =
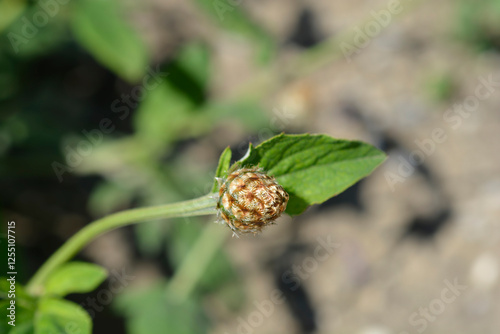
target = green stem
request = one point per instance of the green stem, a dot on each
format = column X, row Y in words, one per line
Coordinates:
column 197, row 207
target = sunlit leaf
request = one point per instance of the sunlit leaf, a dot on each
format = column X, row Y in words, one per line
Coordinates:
column 59, row 316
column 313, row 168
column 74, row 277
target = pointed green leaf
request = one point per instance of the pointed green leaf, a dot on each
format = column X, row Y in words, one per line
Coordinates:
column 222, row 168
column 79, row 277
column 313, row 168
column 61, row 316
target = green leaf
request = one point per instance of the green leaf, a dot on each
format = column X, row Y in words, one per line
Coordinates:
column 313, row 168
column 99, row 26
column 73, row 277
column 61, row 316
column 222, row 168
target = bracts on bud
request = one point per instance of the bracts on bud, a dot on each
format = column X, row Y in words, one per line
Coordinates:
column 249, row 200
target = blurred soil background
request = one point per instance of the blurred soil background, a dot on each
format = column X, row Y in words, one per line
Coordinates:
column 230, row 73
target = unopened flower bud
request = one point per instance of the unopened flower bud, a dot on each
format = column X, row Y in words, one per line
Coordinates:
column 249, row 200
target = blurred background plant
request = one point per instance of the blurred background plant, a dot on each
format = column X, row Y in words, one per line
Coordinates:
column 109, row 104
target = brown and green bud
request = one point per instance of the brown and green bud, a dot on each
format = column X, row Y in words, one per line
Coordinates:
column 249, row 200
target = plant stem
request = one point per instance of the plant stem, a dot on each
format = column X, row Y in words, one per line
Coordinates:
column 204, row 205
column 196, row 261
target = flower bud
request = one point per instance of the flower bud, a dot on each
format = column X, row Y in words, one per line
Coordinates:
column 249, row 200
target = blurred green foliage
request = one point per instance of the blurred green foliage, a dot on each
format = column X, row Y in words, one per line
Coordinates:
column 441, row 87
column 150, row 310
column 54, row 315
column 24, row 312
column 75, row 277
column 479, row 24
column 98, row 26
column 46, row 50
